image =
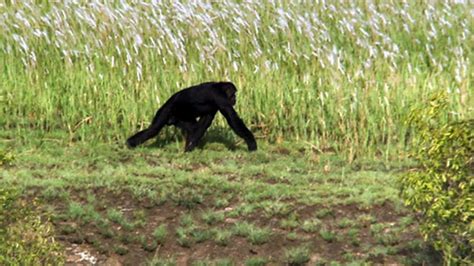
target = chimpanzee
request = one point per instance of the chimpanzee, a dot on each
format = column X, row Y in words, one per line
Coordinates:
column 192, row 110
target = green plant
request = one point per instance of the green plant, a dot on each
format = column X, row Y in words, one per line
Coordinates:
column 258, row 236
column 324, row 212
column 327, row 234
column 222, row 237
column 25, row 238
column 6, row 158
column 297, row 256
column 242, row 228
column 353, row 235
column 161, row 262
column 117, row 216
column 345, row 222
column 211, row 217
column 160, row 233
column 292, row 236
column 183, row 237
column 256, row 261
column 200, row 235
column 441, row 188
column 289, row 223
column 311, row 225
column 369, row 69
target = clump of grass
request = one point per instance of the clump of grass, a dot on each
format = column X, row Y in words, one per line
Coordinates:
column 221, row 202
column 366, row 219
column 200, row 236
column 147, row 244
column 224, row 262
column 297, row 255
column 311, row 225
column 187, row 220
column 292, row 236
column 188, row 198
column 211, row 217
column 54, row 193
column 324, row 212
column 117, row 216
column 353, row 235
column 160, row 233
column 183, row 237
column 121, row 250
column 258, row 236
column 272, row 208
column 345, row 222
column 256, row 261
column 254, row 235
column 327, row 234
column 242, row 229
column 85, row 213
column 289, row 223
column 222, row 236
column 156, row 261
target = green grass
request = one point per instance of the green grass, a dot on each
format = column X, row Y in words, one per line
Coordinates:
column 160, row 233
column 126, row 202
column 297, row 256
column 325, row 87
column 340, row 75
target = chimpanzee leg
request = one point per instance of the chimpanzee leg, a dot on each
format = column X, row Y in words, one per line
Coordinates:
column 197, row 132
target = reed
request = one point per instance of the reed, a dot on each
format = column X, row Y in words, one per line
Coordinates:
column 339, row 74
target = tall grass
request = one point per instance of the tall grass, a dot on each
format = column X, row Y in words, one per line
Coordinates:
column 330, row 73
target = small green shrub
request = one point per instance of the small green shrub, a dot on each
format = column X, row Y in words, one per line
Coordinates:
column 25, row 239
column 297, row 256
column 160, row 233
column 441, row 189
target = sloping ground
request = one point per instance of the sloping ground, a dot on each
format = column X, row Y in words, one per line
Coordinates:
column 285, row 203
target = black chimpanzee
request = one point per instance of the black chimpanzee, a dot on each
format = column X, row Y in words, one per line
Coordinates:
column 192, row 110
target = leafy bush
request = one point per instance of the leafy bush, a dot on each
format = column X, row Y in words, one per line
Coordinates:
column 24, row 238
column 441, row 189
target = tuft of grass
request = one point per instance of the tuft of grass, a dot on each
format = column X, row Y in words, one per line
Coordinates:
column 312, row 225
column 200, row 236
column 325, row 212
column 292, row 236
column 353, row 235
column 120, row 250
column 212, row 217
column 256, row 261
column 222, row 236
column 327, row 234
column 254, row 235
column 259, row 236
column 289, row 223
column 345, row 222
column 183, row 237
column 117, row 216
column 156, row 261
column 160, row 233
column 242, row 228
column 297, row 256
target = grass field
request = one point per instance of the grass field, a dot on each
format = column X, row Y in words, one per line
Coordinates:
column 325, row 86
column 286, row 203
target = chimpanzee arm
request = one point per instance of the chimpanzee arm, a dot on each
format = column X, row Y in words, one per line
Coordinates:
column 238, row 125
column 159, row 121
